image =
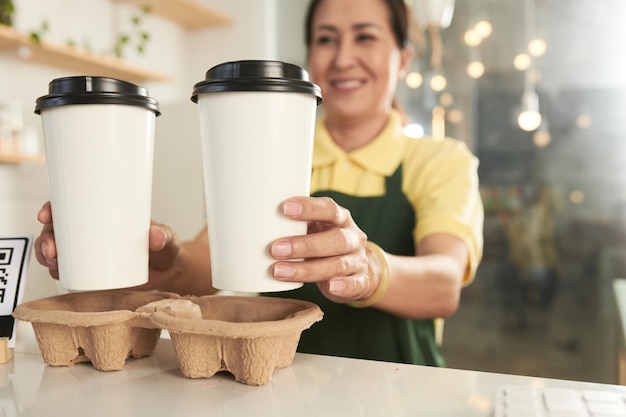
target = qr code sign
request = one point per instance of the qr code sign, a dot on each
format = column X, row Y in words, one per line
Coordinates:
column 14, row 257
column 5, row 256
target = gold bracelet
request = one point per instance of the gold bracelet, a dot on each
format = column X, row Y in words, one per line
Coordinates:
column 383, row 279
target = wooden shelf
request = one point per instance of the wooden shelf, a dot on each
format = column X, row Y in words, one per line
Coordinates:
column 75, row 60
column 187, row 13
column 21, row 159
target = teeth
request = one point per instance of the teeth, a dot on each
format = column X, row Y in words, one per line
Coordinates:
column 347, row 84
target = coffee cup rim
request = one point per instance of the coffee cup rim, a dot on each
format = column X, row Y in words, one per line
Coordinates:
column 95, row 90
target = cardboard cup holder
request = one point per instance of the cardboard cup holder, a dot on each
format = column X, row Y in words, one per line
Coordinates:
column 248, row 336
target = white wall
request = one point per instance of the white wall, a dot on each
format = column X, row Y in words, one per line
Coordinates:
column 186, row 55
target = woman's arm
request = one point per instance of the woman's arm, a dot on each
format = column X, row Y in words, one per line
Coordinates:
column 424, row 286
column 427, row 285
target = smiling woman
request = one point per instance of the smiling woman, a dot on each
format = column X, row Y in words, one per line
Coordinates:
column 358, row 50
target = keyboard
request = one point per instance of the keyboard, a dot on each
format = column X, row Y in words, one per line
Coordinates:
column 525, row 401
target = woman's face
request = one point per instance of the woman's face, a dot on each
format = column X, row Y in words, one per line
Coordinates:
column 354, row 57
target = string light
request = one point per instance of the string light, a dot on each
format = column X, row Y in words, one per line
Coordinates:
column 438, row 82
column 446, row 99
column 529, row 118
column 584, row 121
column 455, row 116
column 577, row 197
column 414, row 79
column 521, row 62
column 472, row 38
column 537, row 47
column 414, row 130
column 476, row 69
column 542, row 138
column 483, row 29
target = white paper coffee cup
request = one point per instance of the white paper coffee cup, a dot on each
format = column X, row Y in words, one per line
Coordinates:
column 257, row 120
column 99, row 139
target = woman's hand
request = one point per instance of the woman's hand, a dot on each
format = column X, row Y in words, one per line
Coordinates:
column 45, row 246
column 334, row 251
column 164, row 247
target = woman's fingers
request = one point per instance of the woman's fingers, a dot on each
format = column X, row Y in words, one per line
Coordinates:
column 46, row 250
column 331, row 242
column 159, row 237
column 346, row 289
column 323, row 210
column 333, row 251
column 45, row 214
column 164, row 247
column 331, row 230
column 318, row 269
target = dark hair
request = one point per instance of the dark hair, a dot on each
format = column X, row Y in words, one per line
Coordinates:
column 399, row 16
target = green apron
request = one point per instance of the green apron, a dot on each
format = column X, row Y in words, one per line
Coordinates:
column 369, row 333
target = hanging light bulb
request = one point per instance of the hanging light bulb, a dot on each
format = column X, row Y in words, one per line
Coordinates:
column 433, row 12
column 433, row 16
column 529, row 118
column 439, row 123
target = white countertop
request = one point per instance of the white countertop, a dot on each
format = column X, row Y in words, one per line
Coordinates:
column 312, row 386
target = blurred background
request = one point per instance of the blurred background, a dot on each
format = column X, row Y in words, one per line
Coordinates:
column 553, row 180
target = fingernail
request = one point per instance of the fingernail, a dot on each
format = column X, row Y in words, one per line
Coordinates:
column 292, row 208
column 166, row 237
column 284, row 271
column 281, row 249
column 336, row 287
column 44, row 247
column 51, row 262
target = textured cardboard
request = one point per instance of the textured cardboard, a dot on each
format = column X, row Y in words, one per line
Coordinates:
column 246, row 336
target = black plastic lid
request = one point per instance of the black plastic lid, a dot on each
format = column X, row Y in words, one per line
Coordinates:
column 95, row 90
column 256, row 75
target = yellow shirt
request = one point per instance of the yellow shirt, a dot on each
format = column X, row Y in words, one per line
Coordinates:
column 440, row 180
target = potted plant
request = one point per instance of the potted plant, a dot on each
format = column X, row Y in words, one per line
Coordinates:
column 7, row 9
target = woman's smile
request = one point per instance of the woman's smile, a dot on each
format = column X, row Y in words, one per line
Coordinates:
column 347, row 85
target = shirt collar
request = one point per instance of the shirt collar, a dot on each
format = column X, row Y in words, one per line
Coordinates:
column 382, row 155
